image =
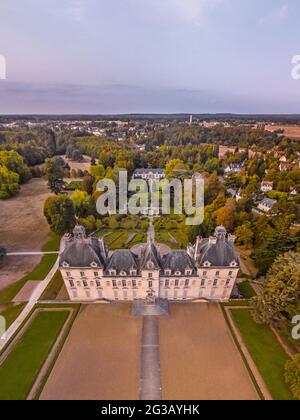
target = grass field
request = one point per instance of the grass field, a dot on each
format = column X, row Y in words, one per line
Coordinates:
column 38, row 273
column 53, row 288
column 11, row 313
column 19, row 370
column 267, row 353
column 246, row 290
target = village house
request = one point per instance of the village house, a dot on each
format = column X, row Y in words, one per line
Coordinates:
column 266, row 186
column 266, row 205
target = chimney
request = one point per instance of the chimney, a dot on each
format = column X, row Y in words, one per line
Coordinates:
column 231, row 238
column 212, row 240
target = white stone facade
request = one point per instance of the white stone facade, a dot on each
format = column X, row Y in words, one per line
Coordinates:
column 177, row 276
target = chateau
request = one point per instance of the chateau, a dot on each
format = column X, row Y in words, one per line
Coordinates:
column 207, row 270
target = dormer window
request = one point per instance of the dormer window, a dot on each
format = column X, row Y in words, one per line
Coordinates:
column 207, row 264
column 133, row 272
column 150, row 264
column 94, row 264
column 112, row 272
column 123, row 273
column 65, row 264
column 233, row 264
column 188, row 272
column 168, row 272
column 178, row 273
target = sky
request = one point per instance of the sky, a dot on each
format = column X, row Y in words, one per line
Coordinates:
column 149, row 56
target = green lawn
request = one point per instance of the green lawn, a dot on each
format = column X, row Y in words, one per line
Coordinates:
column 38, row 273
column 19, row 371
column 246, row 290
column 11, row 313
column 53, row 288
column 267, row 353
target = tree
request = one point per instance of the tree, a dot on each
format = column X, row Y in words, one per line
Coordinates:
column 292, row 375
column 83, row 203
column 276, row 240
column 98, row 171
column 60, row 214
column 9, row 183
column 15, row 163
column 281, row 292
column 174, row 165
column 226, row 215
column 2, row 251
column 88, row 184
column 55, row 173
column 244, row 235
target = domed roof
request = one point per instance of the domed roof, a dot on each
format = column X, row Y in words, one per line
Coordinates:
column 80, row 253
column 218, row 251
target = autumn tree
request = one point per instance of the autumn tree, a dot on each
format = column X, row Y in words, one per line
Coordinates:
column 54, row 169
column 60, row 214
column 83, row 203
column 281, row 291
column 292, row 375
column 244, row 235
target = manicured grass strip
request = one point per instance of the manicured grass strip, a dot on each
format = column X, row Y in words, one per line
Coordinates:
column 246, row 290
column 11, row 313
column 53, row 288
column 42, row 269
column 241, row 352
column 267, row 353
column 19, row 370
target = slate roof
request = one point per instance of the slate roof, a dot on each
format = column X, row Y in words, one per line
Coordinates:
column 81, row 253
column 147, row 171
column 150, row 255
column 219, row 251
column 178, row 260
column 122, row 260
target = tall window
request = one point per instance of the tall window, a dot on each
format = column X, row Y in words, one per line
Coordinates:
column 68, row 274
column 98, row 284
column 217, row 273
column 215, row 282
column 150, row 285
column 124, row 283
column 204, row 273
column 85, row 284
column 176, row 283
column 71, row 283
column 167, row 284
column 114, row 283
column 150, row 275
column 202, row 282
column 228, row 282
column 96, row 274
column 187, row 283
column 82, row 273
column 230, row 273
column 133, row 283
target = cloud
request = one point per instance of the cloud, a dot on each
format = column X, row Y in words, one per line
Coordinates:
column 278, row 15
column 189, row 11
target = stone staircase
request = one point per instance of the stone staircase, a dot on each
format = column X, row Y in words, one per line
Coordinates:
column 159, row 308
